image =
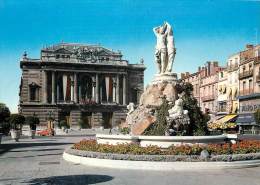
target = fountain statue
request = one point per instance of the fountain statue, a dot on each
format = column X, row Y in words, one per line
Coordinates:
column 162, row 87
column 164, row 50
column 178, row 117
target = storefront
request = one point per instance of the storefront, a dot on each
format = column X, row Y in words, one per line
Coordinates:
column 248, row 105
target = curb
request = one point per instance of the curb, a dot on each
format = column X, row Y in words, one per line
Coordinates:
column 158, row 166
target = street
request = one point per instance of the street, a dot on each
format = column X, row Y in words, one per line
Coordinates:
column 39, row 161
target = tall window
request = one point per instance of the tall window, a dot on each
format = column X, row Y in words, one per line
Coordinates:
column 244, row 69
column 244, row 87
column 250, row 86
column 250, row 67
column 33, row 92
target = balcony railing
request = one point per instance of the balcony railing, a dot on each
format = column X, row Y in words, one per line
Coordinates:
column 246, row 74
column 232, row 67
column 208, row 98
column 246, row 92
column 222, row 109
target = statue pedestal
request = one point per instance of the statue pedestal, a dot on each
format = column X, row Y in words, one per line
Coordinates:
column 162, row 86
column 165, row 77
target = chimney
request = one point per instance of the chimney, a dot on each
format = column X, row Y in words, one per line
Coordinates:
column 182, row 76
column 202, row 72
column 199, row 69
column 216, row 64
column 249, row 46
column 208, row 68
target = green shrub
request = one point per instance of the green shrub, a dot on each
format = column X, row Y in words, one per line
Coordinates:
column 63, row 123
column 198, row 120
column 16, row 121
column 159, row 127
column 125, row 130
column 81, row 123
column 32, row 121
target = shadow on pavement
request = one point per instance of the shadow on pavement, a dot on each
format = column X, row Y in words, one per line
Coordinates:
column 6, row 147
column 28, row 156
column 38, row 150
column 70, row 180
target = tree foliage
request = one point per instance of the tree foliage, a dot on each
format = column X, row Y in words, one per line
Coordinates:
column 16, row 121
column 159, row 127
column 4, row 118
column 32, row 121
column 4, row 113
column 198, row 120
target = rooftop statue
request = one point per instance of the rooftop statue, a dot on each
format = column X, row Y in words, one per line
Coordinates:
column 164, row 50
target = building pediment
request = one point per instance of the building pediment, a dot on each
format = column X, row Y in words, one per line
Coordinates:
column 63, row 51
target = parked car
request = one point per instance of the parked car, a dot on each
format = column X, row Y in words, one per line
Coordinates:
column 46, row 132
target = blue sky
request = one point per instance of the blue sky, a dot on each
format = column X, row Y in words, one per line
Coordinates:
column 203, row 30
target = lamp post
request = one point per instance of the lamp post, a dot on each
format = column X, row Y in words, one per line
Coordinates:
column 50, row 119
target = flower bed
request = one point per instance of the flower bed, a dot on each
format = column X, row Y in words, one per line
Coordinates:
column 243, row 147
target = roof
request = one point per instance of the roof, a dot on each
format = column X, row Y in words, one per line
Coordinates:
column 76, row 48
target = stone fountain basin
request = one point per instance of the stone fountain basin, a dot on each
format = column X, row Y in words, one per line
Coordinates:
column 160, row 141
column 116, row 139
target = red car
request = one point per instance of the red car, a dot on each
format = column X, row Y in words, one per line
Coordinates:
column 46, row 132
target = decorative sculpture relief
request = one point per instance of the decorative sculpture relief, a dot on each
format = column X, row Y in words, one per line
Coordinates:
column 130, row 107
column 177, row 117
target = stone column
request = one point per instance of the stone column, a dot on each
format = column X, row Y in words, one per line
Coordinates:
column 44, row 87
column 114, row 89
column 75, row 88
column 97, row 89
column 71, row 88
column 117, row 90
column 80, row 93
column 58, row 93
column 53, row 87
column 124, row 90
column 93, row 88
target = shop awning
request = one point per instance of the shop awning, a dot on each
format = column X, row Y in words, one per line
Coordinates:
column 246, row 119
column 227, row 118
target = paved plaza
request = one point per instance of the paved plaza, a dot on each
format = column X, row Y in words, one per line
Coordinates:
column 39, row 161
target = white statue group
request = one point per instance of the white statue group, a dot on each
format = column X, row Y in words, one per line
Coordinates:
column 164, row 50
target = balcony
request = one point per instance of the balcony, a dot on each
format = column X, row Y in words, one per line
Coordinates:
column 222, row 109
column 232, row 67
column 258, row 78
column 208, row 98
column 257, row 60
column 245, row 74
column 246, row 92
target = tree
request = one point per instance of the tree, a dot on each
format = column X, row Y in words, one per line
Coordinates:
column 4, row 116
column 4, row 113
column 32, row 121
column 16, row 121
column 198, row 120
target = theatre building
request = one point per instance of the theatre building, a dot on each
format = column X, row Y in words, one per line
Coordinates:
column 74, row 82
